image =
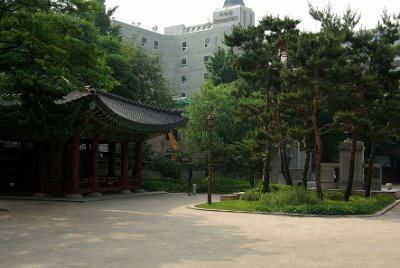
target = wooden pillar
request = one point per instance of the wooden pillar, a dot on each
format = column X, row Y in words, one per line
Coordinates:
column 138, row 166
column 74, row 177
column 94, row 166
column 124, row 167
column 111, row 160
column 42, row 151
column 22, row 163
column 87, row 164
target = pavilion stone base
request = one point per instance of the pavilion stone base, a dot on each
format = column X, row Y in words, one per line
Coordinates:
column 72, row 196
column 125, row 192
column 40, row 195
column 139, row 191
column 96, row 194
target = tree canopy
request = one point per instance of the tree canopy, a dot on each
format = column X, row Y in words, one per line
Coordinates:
column 51, row 48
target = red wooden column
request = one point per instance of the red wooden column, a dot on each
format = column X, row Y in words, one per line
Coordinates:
column 124, row 167
column 94, row 166
column 42, row 151
column 111, row 160
column 138, row 166
column 74, row 179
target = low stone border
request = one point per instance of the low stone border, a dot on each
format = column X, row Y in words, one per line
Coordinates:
column 227, row 197
column 234, row 196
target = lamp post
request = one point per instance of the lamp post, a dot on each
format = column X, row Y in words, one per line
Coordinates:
column 210, row 123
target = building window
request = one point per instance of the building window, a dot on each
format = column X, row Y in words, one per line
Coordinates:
column 205, row 59
column 156, row 45
column 144, row 41
column 205, row 76
column 207, row 42
column 183, row 94
column 183, row 63
column 183, row 79
column 184, row 46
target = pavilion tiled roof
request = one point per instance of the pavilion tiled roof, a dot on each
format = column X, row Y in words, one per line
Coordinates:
column 120, row 112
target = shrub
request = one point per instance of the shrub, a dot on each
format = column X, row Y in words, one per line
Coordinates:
column 252, row 195
column 222, row 185
column 334, row 195
column 297, row 200
column 279, row 187
column 155, row 184
column 295, row 195
column 167, row 167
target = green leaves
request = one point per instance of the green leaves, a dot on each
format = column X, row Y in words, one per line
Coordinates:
column 220, row 67
column 219, row 102
column 48, row 49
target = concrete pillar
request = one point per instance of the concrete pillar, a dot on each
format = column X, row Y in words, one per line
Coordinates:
column 344, row 164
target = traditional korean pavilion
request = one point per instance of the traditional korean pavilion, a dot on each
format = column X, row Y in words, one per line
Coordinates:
column 77, row 167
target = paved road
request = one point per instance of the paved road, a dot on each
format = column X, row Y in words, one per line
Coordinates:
column 161, row 231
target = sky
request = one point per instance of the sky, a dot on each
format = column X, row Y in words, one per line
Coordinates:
column 164, row 13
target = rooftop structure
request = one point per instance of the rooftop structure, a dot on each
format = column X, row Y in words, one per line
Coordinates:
column 229, row 3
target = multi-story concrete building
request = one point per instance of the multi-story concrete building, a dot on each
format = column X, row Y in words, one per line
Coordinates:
column 186, row 49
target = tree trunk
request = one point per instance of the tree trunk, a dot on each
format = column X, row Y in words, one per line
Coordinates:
column 284, row 163
column 306, row 163
column 351, row 167
column 266, row 169
column 318, row 146
column 370, row 168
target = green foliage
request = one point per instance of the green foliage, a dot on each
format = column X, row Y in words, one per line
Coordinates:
column 279, row 187
column 51, row 48
column 167, row 167
column 220, row 67
column 222, row 185
column 252, row 195
column 356, row 206
column 296, row 196
column 261, row 67
column 153, row 87
column 119, row 56
column 156, row 184
column 247, row 157
column 334, row 195
column 48, row 49
column 219, row 102
column 296, row 200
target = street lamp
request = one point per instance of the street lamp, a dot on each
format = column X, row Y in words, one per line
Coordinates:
column 210, row 123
